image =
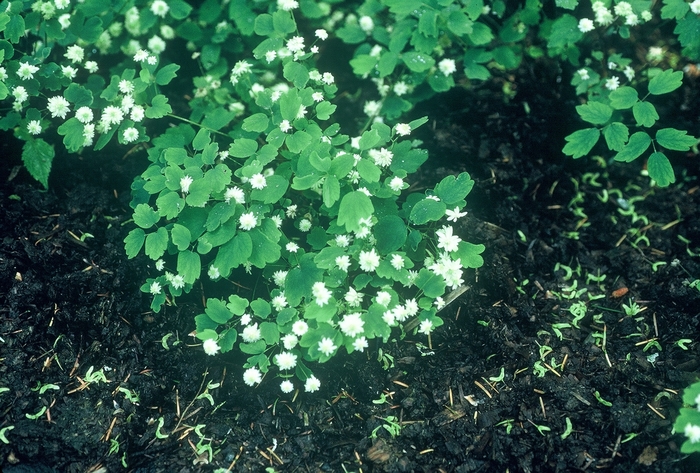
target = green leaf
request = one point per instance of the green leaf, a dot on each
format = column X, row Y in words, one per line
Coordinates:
column 459, row 23
column 265, row 240
column 145, row 216
column 580, row 143
column 354, row 207
column 567, row 4
column 134, row 242
column 469, row 255
column 296, row 74
column 166, row 74
column 78, row 95
column 452, row 190
column 275, row 188
column 363, row 64
column 331, row 191
column 638, row 143
column 15, row 28
column 283, row 22
column 403, row 7
column 298, row 141
column 72, row 131
column 289, row 105
column 427, row 23
column 217, row 311
column 417, row 62
column 159, row 107
column 623, row 98
column 189, row 266
column 202, row 139
column 179, row 9
column 390, row 232
column 674, row 9
column 678, row 140
column 427, row 210
column 387, row 63
column 37, row 156
column 645, row 114
column 430, row 283
column 324, row 110
column 351, row 34
column 181, row 236
column 481, row 34
column 564, row 32
column 616, row 135
column 369, row 171
column 243, row 147
column 257, row 122
column 595, row 112
column 234, row 253
column 660, row 169
column 369, row 139
column 156, row 243
column 665, row 82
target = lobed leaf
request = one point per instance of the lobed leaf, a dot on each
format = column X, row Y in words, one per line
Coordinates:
column 580, row 142
column 660, row 169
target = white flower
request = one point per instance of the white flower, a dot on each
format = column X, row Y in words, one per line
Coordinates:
column 141, row 55
column 245, row 319
column 58, row 107
column 74, row 54
column 447, row 240
column 130, row 135
column 400, row 88
column 383, row 298
column 248, row 221
column 381, row 157
column 321, row 293
column 160, row 265
column 603, row 16
column 612, row 83
column 278, row 277
column 64, row 21
column 84, row 115
column 366, row 23
column 287, row 386
column 396, row 184
column 454, row 215
column 152, row 60
column 252, row 376
column 185, row 183
column 632, row 20
column 296, row 44
column 34, row 127
column 411, row 307
column 258, row 181
column 289, row 341
column 69, row 71
column 312, row 384
column 91, row 66
column 155, row 288
column 326, row 346
column 628, row 72
column 352, row 324
column 353, row 298
column 426, row 327
column 623, row 9
column 137, row 113
column 241, row 67
column 695, row 7
column 112, row 115
column 126, row 86
column 251, row 333
column 287, row 5
column 211, row 347
column 327, row 78
column 236, row 194
column 317, row 96
column 299, row 328
column 279, row 302
column 397, row 262
column 213, row 272
column 450, row 270
column 369, row 260
column 439, row 303
column 270, row 56
column 321, row 34
column 20, row 94
column 447, row 66
column 304, row 225
column 372, row 107
column 291, row 211
column 612, row 66
column 646, row 15
column 160, row 8
column 292, row 247
column 359, row 344
column 692, row 432
column 342, row 262
column 3, row 74
column 286, row 360
column 585, row 25
column 342, row 241
column 583, row 73
column 156, row 45
column 403, row 129
column 656, row 53
column 388, row 318
column 177, row 281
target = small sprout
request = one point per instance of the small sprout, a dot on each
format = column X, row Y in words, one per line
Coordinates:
column 499, row 378
column 4, row 431
column 508, row 424
column 132, row 396
column 37, row 415
column 539, row 369
column 483, row 323
column 159, row 434
column 655, row 266
column 652, row 344
column 601, row 400
column 42, row 388
column 522, row 236
column 632, row 309
column 113, row 447
column 569, row 429
column 392, row 426
column 382, row 399
column 629, row 437
column 682, row 343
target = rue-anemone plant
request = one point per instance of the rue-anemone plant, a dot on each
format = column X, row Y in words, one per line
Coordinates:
column 688, row 420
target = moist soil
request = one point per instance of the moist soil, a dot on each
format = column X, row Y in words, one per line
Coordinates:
column 537, row 368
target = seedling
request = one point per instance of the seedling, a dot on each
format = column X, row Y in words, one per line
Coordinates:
column 391, row 425
column 3, row 433
column 508, row 424
column 601, row 400
column 569, row 429
column 37, row 415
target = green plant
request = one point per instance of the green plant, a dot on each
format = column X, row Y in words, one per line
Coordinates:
column 391, row 424
column 688, row 420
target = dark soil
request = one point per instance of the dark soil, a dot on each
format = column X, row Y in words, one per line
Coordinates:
column 472, row 403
